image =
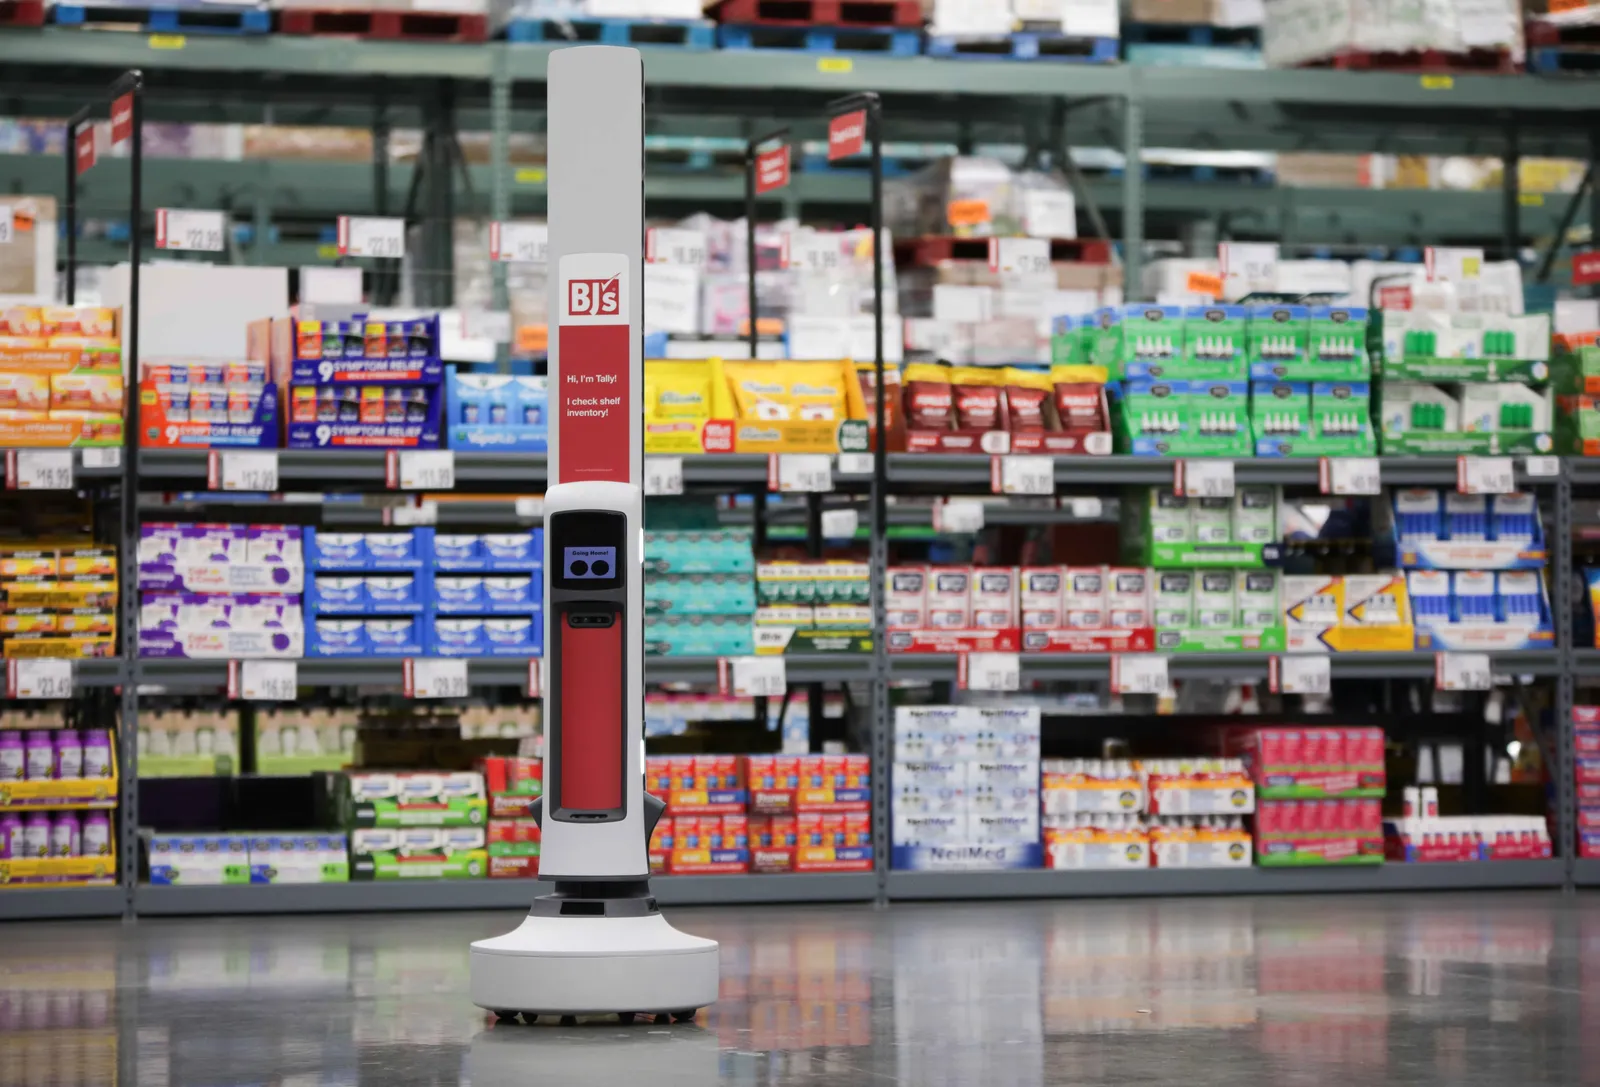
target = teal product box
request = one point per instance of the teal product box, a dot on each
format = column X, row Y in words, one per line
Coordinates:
column 710, row 551
column 1277, row 341
column 698, row 636
column 699, row 594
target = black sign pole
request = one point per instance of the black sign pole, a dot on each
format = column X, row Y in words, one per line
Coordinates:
column 751, row 168
column 69, row 214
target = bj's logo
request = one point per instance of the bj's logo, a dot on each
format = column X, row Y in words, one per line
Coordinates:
column 847, row 134
column 594, row 297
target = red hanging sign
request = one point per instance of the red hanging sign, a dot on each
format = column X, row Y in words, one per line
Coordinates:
column 121, row 119
column 847, row 135
column 1586, row 267
column 85, row 148
column 772, row 169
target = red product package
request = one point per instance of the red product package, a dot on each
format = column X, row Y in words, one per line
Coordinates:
column 528, row 867
column 1080, row 405
column 893, row 396
column 977, row 399
column 1027, row 400
column 658, row 775
column 929, row 398
column 808, row 829
column 857, row 828
column 735, row 832
column 1335, row 755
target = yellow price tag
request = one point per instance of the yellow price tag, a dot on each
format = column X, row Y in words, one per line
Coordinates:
column 1471, row 267
column 327, row 252
column 1531, row 199
column 532, row 175
column 168, row 41
column 1438, row 82
column 836, row 65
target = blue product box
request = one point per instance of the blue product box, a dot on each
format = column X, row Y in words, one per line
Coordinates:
column 365, row 416
column 497, row 411
column 966, row 858
column 396, row 636
column 406, row 549
column 522, row 636
column 372, row 594
column 509, row 551
column 359, row 350
column 488, row 594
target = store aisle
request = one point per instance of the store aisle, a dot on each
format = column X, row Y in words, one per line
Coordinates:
column 1348, row 990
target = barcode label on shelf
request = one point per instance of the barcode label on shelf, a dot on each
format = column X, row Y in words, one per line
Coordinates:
column 39, row 469
column 989, row 672
column 670, row 245
column 1542, row 467
column 536, row 683
column 840, row 524
column 267, row 681
column 519, row 243
column 410, row 514
column 1086, row 509
column 1013, row 474
column 101, row 458
column 752, row 677
column 529, row 507
column 1462, row 672
column 421, row 470
column 800, row 472
column 40, row 678
column 1350, row 475
column 1301, row 673
column 190, row 231
column 953, row 517
column 1486, row 475
column 256, row 471
column 365, row 236
column 1138, row 673
column 1203, row 478
column 663, row 475
column 435, row 677
column 810, row 252
column 1019, row 256
column 855, row 464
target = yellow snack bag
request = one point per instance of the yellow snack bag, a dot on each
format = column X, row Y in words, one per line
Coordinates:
column 684, row 394
column 818, row 394
column 760, row 391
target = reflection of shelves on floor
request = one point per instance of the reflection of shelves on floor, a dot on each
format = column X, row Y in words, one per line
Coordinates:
column 1586, row 872
column 486, row 894
column 1241, row 881
column 50, row 903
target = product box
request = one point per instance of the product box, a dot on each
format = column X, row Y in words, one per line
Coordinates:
column 363, row 416
column 195, row 859
column 505, row 412
column 906, row 598
column 233, row 415
column 402, row 799
column 311, row 352
column 494, row 636
column 489, row 552
column 1092, row 847
column 390, row 636
column 210, row 558
column 238, row 627
column 299, row 858
column 934, row 734
column 409, row 549
column 709, row 845
column 1296, row 833
column 833, row 841
column 929, row 788
column 369, row 594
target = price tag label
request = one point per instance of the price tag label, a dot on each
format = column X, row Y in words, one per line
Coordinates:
column 803, row 472
column 529, row 507
column 191, row 231
column 269, row 681
column 663, row 475
column 1486, row 475
column 536, row 683
column 1139, row 673
column 365, row 236
column 410, row 514
column 855, row 464
column 757, row 677
column 246, row 471
column 1302, row 673
column 423, row 470
column 7, row 226
column 486, row 324
column 840, row 524
column 990, row 672
column 1247, row 267
column 671, row 245
column 1542, row 467
column 1019, row 256
column 1350, row 475
column 1462, row 672
column 39, row 470
column 1022, row 475
column 1203, row 478
column 953, row 517
column 1086, row 509
column 40, row 678
column 109, row 457
column 519, row 243
column 809, row 251
column 435, row 677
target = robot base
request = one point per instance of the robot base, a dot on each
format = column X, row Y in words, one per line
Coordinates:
column 594, row 966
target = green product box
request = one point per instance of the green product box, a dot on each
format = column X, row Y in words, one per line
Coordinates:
column 513, row 849
column 192, row 766
column 469, row 864
column 1138, row 335
column 1320, row 419
column 1482, row 419
column 1215, row 342
column 362, row 798
column 1198, row 556
column 1073, row 340
column 1285, row 855
column 1314, row 791
column 1276, row 340
column 1222, row 640
column 1336, row 345
column 1576, row 371
column 1425, row 345
column 1199, row 418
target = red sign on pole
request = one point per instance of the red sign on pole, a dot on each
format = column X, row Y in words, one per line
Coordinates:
column 772, row 169
column 121, row 119
column 847, row 135
column 1586, row 267
column 85, row 148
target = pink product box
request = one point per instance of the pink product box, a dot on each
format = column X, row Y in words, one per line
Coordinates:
column 949, row 598
column 1083, row 591
column 1589, row 843
column 1586, row 770
column 1040, row 597
column 906, row 601
column 1588, row 794
column 993, row 591
column 1586, row 743
column 1589, row 819
column 1586, row 716
column 1127, row 597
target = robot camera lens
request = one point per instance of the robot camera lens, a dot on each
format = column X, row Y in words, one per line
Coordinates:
column 601, row 568
column 579, row 568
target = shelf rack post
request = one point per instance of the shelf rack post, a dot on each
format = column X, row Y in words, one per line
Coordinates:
column 499, row 166
column 1132, row 195
column 1511, row 197
column 1563, row 594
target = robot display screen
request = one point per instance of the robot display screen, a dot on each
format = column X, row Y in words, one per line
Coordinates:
column 589, row 563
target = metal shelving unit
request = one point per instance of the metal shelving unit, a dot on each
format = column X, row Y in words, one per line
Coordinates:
column 62, row 903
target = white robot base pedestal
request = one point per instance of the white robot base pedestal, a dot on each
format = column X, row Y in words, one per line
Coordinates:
column 594, row 966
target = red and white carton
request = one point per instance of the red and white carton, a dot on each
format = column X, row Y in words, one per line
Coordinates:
column 949, row 598
column 906, row 598
column 1041, row 595
column 1127, row 591
column 993, row 592
column 1083, row 598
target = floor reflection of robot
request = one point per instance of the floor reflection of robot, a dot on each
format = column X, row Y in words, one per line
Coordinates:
column 597, row 944
column 684, row 1057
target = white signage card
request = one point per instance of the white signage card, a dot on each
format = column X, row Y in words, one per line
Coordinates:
column 855, row 464
column 520, row 243
column 427, row 470
column 1486, row 475
column 1351, row 475
column 994, row 671
column 438, row 677
column 43, row 678
column 1463, row 672
column 1305, row 673
column 255, row 471
column 757, row 677
column 958, row 517
column 1139, row 673
column 1205, row 478
column 43, row 470
column 1027, row 475
column 364, row 236
column 840, row 524
column 191, row 231
column 671, row 245
column 805, row 472
column 1542, row 467
column 663, row 475
column 268, row 681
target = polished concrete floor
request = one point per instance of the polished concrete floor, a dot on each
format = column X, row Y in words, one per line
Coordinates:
column 1499, row 990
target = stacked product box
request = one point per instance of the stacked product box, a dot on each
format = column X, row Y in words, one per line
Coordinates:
column 1167, row 813
column 705, row 828
column 966, row 788
column 514, row 784
column 811, row 607
column 1575, row 379
column 1422, row 836
column 1466, row 382
column 699, row 592
column 1319, row 793
column 983, row 409
column 190, row 743
column 60, row 377
column 810, row 813
column 488, row 595
column 205, row 404
column 1475, row 569
column 301, row 740
column 56, row 788
column 1586, row 777
column 508, row 413
column 188, row 860
column 220, row 591
column 1210, row 588
column 58, row 601
column 1347, row 613
column 411, row 824
column 368, row 384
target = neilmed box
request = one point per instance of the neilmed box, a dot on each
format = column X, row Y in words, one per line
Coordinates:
column 994, row 597
column 1084, row 597
column 1173, row 599
column 1041, row 597
column 906, row 600
column 949, row 599
column 1128, row 597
